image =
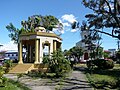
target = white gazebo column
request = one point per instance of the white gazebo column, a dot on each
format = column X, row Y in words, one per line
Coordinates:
column 54, row 45
column 36, row 51
column 20, row 53
column 41, row 51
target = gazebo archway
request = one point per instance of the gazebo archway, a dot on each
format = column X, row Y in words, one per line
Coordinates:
column 46, row 48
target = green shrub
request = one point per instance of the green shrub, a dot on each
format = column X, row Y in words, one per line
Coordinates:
column 36, row 73
column 3, row 80
column 90, row 64
column 1, row 71
column 8, row 64
column 101, row 63
column 58, row 64
column 109, row 64
column 104, row 64
column 46, row 59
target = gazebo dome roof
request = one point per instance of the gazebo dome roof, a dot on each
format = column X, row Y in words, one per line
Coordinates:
column 38, row 29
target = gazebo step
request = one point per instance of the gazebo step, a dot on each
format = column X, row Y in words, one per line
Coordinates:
column 22, row 68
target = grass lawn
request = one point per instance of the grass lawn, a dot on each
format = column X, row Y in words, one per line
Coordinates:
column 80, row 65
column 12, row 85
column 102, row 79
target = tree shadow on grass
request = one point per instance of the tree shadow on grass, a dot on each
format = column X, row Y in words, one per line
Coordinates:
column 110, row 72
column 70, row 84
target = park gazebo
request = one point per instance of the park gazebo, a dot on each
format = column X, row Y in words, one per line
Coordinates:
column 34, row 44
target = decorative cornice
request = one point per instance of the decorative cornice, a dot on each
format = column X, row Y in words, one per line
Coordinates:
column 41, row 34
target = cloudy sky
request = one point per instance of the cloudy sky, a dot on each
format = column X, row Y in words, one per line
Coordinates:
column 67, row 11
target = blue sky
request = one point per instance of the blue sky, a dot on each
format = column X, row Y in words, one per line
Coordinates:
column 65, row 10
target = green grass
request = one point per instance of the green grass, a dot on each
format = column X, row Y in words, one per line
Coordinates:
column 80, row 65
column 101, row 79
column 117, row 66
column 12, row 85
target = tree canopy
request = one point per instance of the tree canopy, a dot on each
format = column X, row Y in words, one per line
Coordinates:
column 14, row 32
column 106, row 14
column 57, row 63
column 75, row 52
column 48, row 22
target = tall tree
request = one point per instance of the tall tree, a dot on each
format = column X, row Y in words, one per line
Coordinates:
column 58, row 64
column 106, row 14
column 90, row 39
column 48, row 22
column 75, row 52
column 14, row 32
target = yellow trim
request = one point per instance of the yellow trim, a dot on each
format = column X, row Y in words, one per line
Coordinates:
column 41, row 34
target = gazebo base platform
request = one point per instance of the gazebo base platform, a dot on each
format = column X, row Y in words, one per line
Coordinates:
column 25, row 68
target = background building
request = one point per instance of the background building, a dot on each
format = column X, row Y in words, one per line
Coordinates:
column 113, row 52
column 82, row 44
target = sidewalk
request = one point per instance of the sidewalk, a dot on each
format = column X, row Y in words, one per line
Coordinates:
column 76, row 81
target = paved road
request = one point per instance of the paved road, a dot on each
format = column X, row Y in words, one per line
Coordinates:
column 76, row 81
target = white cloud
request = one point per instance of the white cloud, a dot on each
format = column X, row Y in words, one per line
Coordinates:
column 74, row 30
column 66, row 24
column 9, row 46
column 60, row 21
column 69, row 18
column 62, row 31
column 58, row 31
